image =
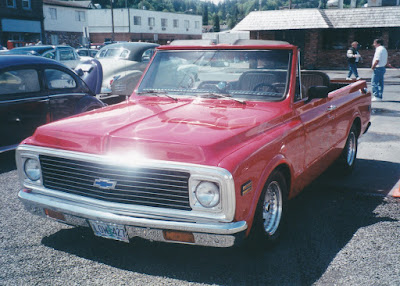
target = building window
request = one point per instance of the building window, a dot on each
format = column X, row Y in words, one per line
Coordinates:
column 335, row 39
column 53, row 13
column 137, row 20
column 11, row 4
column 54, row 39
column 80, row 16
column 197, row 24
column 151, row 21
column 26, row 4
column 389, row 2
column 187, row 25
column 176, row 23
column 365, row 37
column 164, row 22
column 394, row 39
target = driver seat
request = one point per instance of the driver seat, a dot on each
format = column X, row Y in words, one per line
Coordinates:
column 249, row 80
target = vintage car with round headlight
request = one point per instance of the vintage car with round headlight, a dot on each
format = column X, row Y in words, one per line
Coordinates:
column 208, row 149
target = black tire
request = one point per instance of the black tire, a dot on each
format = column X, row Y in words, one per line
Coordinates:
column 348, row 158
column 270, row 216
column 90, row 108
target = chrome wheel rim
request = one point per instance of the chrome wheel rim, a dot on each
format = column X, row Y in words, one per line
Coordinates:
column 272, row 208
column 351, row 149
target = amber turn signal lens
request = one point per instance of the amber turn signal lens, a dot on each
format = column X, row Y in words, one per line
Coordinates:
column 178, row 236
column 54, row 214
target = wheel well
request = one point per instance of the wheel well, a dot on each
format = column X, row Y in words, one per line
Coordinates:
column 357, row 124
column 284, row 169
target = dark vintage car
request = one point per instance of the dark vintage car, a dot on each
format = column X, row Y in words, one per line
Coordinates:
column 34, row 91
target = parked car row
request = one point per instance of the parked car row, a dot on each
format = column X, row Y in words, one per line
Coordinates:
column 64, row 54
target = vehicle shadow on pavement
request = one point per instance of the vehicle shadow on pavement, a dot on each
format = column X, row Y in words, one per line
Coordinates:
column 321, row 223
column 7, row 161
column 370, row 177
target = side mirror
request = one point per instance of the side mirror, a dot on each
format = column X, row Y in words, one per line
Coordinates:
column 79, row 72
column 317, row 92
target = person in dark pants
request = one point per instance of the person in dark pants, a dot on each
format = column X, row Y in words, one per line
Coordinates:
column 353, row 56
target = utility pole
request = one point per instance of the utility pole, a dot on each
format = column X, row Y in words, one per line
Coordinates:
column 290, row 4
column 112, row 21
column 259, row 5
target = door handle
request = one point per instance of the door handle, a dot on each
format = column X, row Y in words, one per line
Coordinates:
column 332, row 107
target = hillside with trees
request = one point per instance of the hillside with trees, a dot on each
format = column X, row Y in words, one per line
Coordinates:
column 228, row 12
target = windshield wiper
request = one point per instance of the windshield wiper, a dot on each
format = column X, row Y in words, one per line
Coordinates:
column 157, row 93
column 221, row 95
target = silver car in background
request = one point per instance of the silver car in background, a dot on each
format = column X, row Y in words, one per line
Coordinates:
column 123, row 65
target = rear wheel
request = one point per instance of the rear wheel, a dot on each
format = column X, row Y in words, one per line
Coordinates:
column 271, row 211
column 347, row 160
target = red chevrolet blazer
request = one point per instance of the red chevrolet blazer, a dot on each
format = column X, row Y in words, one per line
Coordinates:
column 207, row 150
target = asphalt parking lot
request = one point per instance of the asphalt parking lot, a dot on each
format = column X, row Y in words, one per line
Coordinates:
column 342, row 231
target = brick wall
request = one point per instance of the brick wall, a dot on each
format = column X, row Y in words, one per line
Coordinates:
column 314, row 56
column 311, row 50
column 72, row 39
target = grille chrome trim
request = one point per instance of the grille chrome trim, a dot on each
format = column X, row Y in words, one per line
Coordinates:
column 65, row 175
column 222, row 176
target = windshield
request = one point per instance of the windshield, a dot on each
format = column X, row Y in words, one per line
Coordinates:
column 113, row 53
column 260, row 75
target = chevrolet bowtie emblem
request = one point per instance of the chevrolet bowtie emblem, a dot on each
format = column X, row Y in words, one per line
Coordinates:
column 105, row 184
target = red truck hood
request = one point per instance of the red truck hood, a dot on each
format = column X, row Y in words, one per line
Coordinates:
column 194, row 131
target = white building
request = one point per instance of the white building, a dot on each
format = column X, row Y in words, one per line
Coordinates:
column 65, row 21
column 375, row 3
column 144, row 25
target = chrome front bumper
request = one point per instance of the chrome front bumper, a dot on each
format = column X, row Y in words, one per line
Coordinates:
column 216, row 234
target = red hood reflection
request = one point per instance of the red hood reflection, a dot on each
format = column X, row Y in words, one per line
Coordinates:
column 190, row 130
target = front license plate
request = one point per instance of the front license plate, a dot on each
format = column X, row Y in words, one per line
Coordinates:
column 109, row 230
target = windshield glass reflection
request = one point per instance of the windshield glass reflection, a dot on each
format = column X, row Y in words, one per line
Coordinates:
column 249, row 75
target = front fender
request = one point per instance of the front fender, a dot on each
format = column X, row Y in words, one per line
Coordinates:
column 276, row 162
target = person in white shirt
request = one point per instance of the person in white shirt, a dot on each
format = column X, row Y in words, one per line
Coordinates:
column 379, row 63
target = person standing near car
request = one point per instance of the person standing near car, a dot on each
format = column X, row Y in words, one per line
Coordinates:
column 353, row 56
column 378, row 67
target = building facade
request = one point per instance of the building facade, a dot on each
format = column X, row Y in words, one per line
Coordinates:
column 142, row 25
column 21, row 21
column 65, row 22
column 325, row 35
column 377, row 3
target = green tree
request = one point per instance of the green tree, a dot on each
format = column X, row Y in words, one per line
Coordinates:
column 205, row 14
column 216, row 26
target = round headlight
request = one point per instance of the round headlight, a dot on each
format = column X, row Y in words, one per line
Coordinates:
column 207, row 193
column 32, row 169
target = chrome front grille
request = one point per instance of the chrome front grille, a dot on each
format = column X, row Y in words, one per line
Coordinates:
column 139, row 186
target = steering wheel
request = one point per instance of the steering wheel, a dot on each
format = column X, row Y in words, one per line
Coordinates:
column 265, row 87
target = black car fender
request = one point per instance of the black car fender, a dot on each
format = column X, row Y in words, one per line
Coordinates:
column 87, row 103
